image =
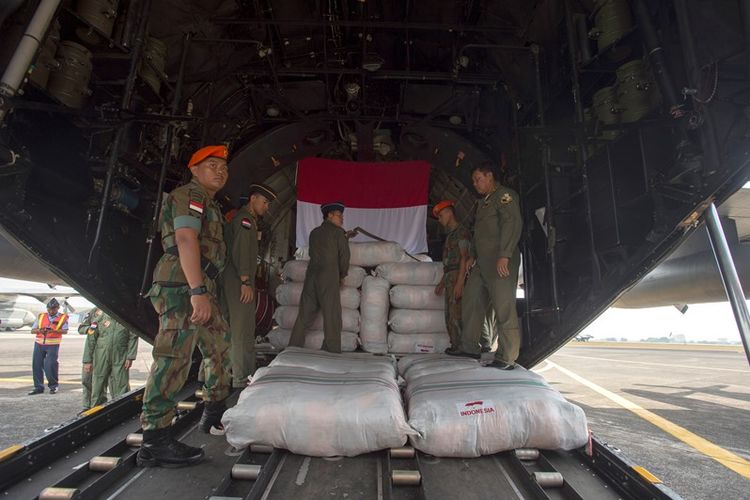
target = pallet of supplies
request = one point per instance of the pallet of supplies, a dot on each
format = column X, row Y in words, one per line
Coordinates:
column 407, row 343
column 482, row 411
column 411, row 273
column 294, row 270
column 416, row 297
column 285, row 316
column 320, row 413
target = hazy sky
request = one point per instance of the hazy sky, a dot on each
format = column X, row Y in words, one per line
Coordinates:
column 701, row 322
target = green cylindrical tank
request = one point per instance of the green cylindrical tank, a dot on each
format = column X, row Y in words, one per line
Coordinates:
column 45, row 61
column 156, row 52
column 607, row 110
column 634, row 91
column 98, row 13
column 69, row 84
column 613, row 20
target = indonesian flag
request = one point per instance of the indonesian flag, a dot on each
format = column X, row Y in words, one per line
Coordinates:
column 388, row 200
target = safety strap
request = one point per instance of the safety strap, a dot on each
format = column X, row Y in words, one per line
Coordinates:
column 211, row 271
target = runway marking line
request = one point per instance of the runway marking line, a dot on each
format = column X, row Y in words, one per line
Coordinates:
column 691, row 367
column 702, row 445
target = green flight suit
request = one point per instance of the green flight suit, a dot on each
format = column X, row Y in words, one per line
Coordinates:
column 108, row 347
column 329, row 264
column 241, row 236
column 188, row 206
column 87, row 327
column 496, row 233
column 457, row 240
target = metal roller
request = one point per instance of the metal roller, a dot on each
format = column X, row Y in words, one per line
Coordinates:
column 406, row 477
column 549, row 479
column 199, row 394
column 527, row 454
column 134, row 439
column 187, row 405
column 59, row 494
column 260, row 448
column 403, row 452
column 104, row 464
column 245, row 472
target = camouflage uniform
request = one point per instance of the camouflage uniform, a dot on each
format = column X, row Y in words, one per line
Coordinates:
column 188, row 206
column 108, row 346
column 241, row 237
column 457, row 240
column 329, row 264
column 496, row 232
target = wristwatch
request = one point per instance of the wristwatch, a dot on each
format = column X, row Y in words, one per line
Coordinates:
column 247, row 282
column 199, row 290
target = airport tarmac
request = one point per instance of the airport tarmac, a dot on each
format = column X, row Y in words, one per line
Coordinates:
column 679, row 411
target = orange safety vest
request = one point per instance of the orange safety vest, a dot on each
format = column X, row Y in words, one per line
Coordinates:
column 50, row 338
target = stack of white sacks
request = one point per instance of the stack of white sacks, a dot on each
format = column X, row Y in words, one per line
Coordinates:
column 288, row 296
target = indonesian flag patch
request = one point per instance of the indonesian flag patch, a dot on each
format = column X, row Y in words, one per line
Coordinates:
column 195, row 206
column 246, row 223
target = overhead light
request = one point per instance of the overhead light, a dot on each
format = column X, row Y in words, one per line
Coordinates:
column 372, row 62
column 352, row 90
column 273, row 111
column 455, row 120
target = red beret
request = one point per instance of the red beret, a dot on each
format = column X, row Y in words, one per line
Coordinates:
column 220, row 151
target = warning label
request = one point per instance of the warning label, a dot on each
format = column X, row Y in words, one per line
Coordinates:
column 473, row 408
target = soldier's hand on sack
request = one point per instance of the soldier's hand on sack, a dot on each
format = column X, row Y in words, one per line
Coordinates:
column 351, row 234
column 458, row 291
column 87, row 367
column 246, row 294
column 439, row 288
column 502, row 267
column 201, row 309
column 128, row 363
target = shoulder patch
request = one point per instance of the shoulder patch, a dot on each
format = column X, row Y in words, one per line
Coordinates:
column 196, row 207
column 506, row 198
column 246, row 223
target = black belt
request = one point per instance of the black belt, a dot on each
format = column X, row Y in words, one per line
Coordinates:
column 211, row 271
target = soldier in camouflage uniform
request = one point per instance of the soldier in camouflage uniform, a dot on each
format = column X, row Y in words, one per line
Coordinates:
column 491, row 287
column 184, row 294
column 455, row 263
column 242, row 237
column 108, row 355
column 329, row 265
column 87, row 327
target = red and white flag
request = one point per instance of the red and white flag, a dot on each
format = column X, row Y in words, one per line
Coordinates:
column 388, row 199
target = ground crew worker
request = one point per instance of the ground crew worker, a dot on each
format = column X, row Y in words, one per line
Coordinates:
column 184, row 294
column 87, row 327
column 456, row 251
column 49, row 328
column 329, row 265
column 108, row 355
column 242, row 237
column 492, row 283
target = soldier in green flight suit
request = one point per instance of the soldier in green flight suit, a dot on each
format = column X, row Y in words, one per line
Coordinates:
column 242, row 237
column 455, row 263
column 108, row 355
column 329, row 265
column 87, row 327
column 491, row 287
column 184, row 295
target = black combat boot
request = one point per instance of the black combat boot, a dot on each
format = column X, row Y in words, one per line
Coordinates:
column 212, row 412
column 159, row 448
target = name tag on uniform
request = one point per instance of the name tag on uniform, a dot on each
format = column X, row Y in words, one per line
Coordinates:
column 260, row 235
